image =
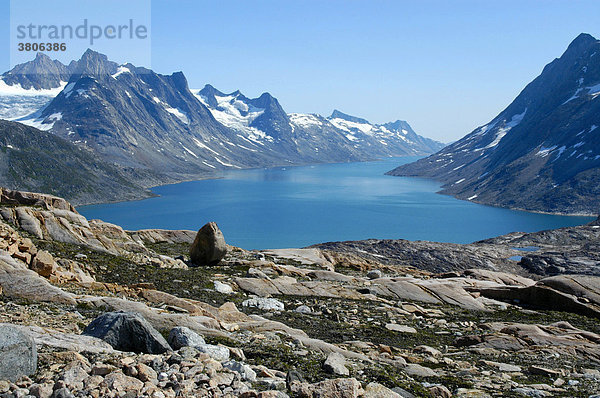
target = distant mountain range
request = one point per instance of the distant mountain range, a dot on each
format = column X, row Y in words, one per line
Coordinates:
column 137, row 119
column 541, row 153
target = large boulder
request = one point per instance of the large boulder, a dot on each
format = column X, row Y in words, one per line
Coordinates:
column 209, row 247
column 18, row 353
column 127, row 331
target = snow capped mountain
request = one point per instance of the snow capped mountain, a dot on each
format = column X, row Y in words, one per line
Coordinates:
column 234, row 111
column 138, row 119
column 542, row 152
column 30, row 86
column 263, row 119
column 399, row 134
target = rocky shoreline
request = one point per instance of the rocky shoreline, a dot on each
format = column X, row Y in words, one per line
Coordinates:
column 115, row 313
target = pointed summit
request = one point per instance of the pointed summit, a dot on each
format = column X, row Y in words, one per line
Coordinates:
column 341, row 115
column 94, row 63
column 41, row 73
column 581, row 44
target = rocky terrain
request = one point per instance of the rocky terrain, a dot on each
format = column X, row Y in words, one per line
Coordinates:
column 88, row 309
column 541, row 153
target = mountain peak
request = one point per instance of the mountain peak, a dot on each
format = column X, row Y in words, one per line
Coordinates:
column 581, row 43
column 341, row 115
column 95, row 63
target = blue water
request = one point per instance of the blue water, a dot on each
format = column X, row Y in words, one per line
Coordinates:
column 300, row 206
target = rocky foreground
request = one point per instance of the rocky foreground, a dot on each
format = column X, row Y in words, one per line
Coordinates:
column 90, row 310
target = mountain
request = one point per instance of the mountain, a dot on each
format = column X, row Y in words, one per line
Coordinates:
column 31, row 86
column 152, row 123
column 397, row 136
column 137, row 118
column 42, row 73
column 542, row 152
column 35, row 160
column 340, row 137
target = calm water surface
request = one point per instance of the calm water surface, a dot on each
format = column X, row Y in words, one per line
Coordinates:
column 300, row 206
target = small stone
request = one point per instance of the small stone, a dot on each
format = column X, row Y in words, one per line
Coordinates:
column 146, row 373
column 182, row 336
column 218, row 353
column 503, row 367
column 119, row 382
column 374, row 274
column 440, row 392
column 62, row 393
column 41, row 390
column 403, row 393
column 414, row 369
column 43, row 263
column 304, row 309
column 244, row 370
column 4, row 386
column 223, row 287
column 376, row 390
column 265, row 304
column 335, row 363
column 400, row 328
column 102, row 369
column 541, row 371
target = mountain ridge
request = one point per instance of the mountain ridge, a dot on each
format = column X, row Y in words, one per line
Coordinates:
column 153, row 123
column 541, row 153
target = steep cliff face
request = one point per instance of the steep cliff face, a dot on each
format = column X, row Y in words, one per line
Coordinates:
column 542, row 152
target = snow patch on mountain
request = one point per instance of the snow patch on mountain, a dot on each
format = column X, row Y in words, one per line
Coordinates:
column 17, row 89
column 179, row 114
column 305, row 120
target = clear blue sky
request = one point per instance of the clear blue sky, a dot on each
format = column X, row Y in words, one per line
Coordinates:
column 444, row 66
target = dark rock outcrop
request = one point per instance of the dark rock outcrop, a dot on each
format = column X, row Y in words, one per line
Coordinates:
column 209, row 247
column 18, row 353
column 127, row 331
column 571, row 293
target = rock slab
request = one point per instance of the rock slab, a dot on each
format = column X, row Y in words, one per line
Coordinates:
column 18, row 353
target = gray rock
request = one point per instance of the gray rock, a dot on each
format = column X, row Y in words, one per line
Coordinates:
column 209, row 247
column 223, row 287
column 63, row 393
column 127, row 331
column 403, row 393
column 216, row 352
column 376, row 390
column 18, row 353
column 532, row 392
column 256, row 273
column 184, row 337
column 265, row 304
column 244, row 370
column 414, row 369
column 400, row 328
column 374, row 274
column 335, row 363
column 304, row 309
